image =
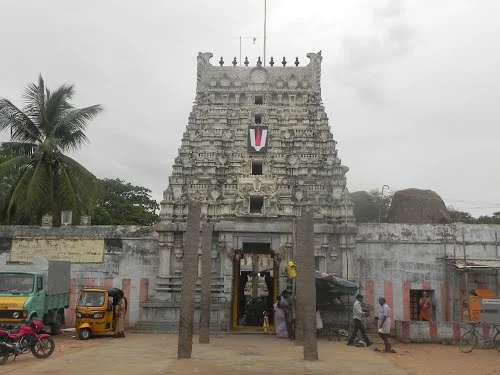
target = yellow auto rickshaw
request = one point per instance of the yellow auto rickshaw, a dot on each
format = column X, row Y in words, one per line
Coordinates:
column 95, row 311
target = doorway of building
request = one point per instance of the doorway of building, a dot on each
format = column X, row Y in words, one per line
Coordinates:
column 255, row 287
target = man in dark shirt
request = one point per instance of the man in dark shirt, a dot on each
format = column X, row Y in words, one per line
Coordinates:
column 358, row 318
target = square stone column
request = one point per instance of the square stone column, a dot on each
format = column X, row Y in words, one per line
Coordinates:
column 206, row 283
column 189, row 276
column 306, row 285
column 165, row 249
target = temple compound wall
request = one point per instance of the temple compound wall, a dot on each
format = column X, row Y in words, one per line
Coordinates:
column 399, row 261
column 101, row 256
column 391, row 260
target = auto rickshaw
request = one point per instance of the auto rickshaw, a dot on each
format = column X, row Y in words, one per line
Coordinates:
column 95, row 311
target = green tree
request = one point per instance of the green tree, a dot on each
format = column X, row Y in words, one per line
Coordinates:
column 368, row 205
column 46, row 180
column 122, row 203
column 6, row 181
column 461, row 216
column 494, row 219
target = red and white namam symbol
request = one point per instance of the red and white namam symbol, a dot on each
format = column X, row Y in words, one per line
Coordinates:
column 257, row 138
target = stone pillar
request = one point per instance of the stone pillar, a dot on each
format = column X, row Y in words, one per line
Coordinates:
column 178, row 259
column 198, row 273
column 346, row 246
column 347, row 264
column 215, row 271
column 299, row 294
column 189, row 276
column 166, row 247
column 306, row 283
column 206, row 283
column 255, row 277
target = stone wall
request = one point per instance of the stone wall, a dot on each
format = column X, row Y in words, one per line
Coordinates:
column 391, row 260
column 437, row 332
column 129, row 259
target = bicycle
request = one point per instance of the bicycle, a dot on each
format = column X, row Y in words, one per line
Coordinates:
column 470, row 339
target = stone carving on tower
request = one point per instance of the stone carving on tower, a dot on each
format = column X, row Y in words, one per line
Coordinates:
column 258, row 143
column 256, row 150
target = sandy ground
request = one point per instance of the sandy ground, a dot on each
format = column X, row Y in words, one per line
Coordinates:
column 435, row 359
column 246, row 354
column 66, row 344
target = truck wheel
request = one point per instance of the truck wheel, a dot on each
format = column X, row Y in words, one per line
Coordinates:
column 55, row 328
column 84, row 334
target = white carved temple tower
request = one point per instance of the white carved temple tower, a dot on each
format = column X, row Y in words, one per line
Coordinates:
column 257, row 148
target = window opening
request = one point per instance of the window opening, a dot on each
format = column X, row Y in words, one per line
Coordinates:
column 317, row 263
column 259, row 99
column 256, row 205
column 257, row 167
column 258, row 119
column 415, row 296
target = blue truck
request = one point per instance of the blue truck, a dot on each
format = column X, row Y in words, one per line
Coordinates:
column 34, row 290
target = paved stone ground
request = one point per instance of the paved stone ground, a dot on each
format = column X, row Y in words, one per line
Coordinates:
column 142, row 354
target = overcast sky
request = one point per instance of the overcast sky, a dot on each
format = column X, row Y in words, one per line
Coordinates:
column 412, row 88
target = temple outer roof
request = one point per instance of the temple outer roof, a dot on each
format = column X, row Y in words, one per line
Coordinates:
column 210, row 77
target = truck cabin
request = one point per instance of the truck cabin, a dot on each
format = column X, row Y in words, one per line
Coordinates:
column 39, row 289
column 15, row 289
column 18, row 283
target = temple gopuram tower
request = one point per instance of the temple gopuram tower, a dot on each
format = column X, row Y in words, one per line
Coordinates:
column 256, row 150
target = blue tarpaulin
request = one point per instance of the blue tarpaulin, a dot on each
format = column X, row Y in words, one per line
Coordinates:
column 342, row 285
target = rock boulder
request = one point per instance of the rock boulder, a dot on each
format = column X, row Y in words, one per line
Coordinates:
column 416, row 206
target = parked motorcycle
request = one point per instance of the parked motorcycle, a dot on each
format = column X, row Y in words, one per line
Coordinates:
column 30, row 337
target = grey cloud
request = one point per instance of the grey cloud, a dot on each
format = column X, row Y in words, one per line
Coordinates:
column 403, row 116
column 365, row 56
column 392, row 9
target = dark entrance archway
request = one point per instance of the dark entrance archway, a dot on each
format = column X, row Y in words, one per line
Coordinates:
column 255, row 286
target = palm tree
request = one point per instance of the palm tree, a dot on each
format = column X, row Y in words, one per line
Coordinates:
column 46, row 181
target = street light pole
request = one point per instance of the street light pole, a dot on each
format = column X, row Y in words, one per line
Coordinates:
column 381, row 202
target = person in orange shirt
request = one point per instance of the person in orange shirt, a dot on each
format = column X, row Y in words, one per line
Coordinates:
column 425, row 308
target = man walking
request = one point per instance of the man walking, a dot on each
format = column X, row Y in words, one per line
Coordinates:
column 384, row 324
column 358, row 318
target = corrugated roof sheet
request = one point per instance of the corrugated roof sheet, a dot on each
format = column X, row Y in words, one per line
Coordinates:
column 475, row 263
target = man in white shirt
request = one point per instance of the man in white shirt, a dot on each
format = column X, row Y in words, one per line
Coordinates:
column 358, row 318
column 384, row 324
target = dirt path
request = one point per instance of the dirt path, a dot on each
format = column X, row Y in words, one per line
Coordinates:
column 427, row 359
column 246, row 354
column 66, row 344
column 228, row 354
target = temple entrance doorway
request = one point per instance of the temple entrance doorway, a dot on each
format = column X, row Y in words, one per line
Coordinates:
column 255, row 289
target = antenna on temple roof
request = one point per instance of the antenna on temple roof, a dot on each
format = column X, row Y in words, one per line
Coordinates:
column 254, row 38
column 265, row 24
